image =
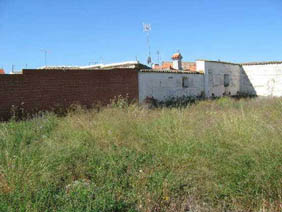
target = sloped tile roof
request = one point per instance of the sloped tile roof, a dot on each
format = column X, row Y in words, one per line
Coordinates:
column 188, row 66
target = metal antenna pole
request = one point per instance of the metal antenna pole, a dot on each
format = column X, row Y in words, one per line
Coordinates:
column 45, row 55
column 91, row 63
column 101, row 60
column 148, row 43
column 45, row 58
column 147, row 28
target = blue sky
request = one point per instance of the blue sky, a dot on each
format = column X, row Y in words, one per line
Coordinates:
column 77, row 32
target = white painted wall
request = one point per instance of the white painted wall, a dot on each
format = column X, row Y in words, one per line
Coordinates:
column 262, row 80
column 214, row 78
column 201, row 67
column 259, row 79
column 177, row 64
column 164, row 85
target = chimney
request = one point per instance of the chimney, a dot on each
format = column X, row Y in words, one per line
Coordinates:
column 177, row 61
column 156, row 66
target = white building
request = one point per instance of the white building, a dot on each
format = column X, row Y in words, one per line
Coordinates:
column 260, row 79
column 162, row 85
column 211, row 79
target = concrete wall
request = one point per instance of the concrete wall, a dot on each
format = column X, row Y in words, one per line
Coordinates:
column 262, row 80
column 214, row 78
column 37, row 90
column 162, row 85
column 201, row 67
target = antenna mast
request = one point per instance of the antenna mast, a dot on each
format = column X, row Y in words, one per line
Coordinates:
column 45, row 55
column 147, row 28
column 158, row 54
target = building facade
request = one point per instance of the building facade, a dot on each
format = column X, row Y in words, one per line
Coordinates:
column 162, row 85
column 259, row 79
column 47, row 88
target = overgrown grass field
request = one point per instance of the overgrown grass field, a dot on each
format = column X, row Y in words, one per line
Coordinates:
column 221, row 155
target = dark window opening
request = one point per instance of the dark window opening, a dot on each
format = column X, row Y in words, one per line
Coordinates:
column 185, row 82
column 226, row 80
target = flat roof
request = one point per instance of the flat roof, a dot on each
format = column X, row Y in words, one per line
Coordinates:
column 245, row 64
column 262, row 63
column 127, row 65
column 218, row 61
column 169, row 71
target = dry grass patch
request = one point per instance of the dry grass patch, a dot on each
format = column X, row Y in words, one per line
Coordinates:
column 222, row 155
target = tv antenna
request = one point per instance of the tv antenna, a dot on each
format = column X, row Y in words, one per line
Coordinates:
column 92, row 62
column 101, row 60
column 45, row 52
column 147, row 29
column 158, row 54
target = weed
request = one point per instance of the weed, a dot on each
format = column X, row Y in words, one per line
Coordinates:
column 221, row 155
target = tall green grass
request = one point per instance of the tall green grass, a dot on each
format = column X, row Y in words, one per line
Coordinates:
column 222, row 155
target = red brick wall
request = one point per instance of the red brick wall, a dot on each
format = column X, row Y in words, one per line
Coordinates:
column 37, row 90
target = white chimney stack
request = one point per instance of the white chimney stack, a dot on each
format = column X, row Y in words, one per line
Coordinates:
column 177, row 61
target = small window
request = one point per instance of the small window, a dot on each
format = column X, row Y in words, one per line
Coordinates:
column 185, row 82
column 226, row 80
